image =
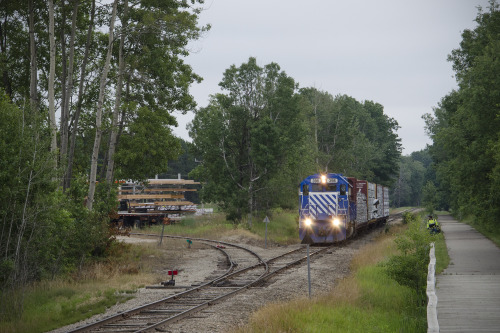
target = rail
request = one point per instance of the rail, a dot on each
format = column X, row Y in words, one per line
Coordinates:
column 168, row 310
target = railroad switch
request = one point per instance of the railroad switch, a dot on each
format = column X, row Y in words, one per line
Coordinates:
column 170, row 282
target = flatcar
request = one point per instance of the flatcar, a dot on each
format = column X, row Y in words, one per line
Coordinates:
column 333, row 208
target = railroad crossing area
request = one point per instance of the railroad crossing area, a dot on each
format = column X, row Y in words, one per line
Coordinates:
column 468, row 291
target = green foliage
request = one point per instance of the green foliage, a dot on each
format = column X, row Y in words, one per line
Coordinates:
column 465, row 126
column 442, row 257
column 403, row 191
column 48, row 309
column 409, row 268
column 184, row 164
column 261, row 137
column 408, row 217
column 146, row 146
column 248, row 138
column 43, row 232
column 281, row 230
column 430, row 199
column 355, row 138
column 27, row 200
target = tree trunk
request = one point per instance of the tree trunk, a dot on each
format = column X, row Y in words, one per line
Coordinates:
column 116, row 111
column 3, row 48
column 250, row 204
column 98, row 132
column 63, row 119
column 52, row 73
column 250, row 179
column 69, row 86
column 83, row 74
column 33, row 67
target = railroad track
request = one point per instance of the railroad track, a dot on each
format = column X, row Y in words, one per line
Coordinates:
column 245, row 269
column 399, row 215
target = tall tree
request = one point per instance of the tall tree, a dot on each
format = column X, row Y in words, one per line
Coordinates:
column 76, row 116
column 118, row 98
column 354, row 138
column 387, row 143
column 33, row 59
column 407, row 189
column 68, row 86
column 247, row 136
column 465, row 125
column 152, row 76
column 52, row 74
column 100, row 106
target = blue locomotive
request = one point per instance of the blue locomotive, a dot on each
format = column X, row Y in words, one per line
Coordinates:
column 332, row 207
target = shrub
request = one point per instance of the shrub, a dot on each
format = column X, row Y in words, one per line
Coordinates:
column 409, row 268
column 408, row 217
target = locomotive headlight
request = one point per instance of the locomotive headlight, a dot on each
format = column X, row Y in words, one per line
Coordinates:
column 336, row 222
column 323, row 179
column 308, row 221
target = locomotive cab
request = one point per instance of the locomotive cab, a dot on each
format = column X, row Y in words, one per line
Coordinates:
column 323, row 208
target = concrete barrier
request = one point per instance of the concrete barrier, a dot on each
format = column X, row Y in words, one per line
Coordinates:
column 432, row 321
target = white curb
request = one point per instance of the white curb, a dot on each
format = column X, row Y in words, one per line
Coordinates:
column 432, row 321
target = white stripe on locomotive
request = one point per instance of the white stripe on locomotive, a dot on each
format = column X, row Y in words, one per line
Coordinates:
column 324, row 203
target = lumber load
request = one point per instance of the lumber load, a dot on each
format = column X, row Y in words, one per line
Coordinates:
column 172, row 182
column 143, row 203
column 170, row 190
column 150, row 196
column 161, row 203
column 174, row 203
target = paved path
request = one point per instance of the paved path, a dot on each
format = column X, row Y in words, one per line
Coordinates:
column 468, row 291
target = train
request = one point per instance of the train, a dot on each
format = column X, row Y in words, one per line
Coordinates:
column 333, row 208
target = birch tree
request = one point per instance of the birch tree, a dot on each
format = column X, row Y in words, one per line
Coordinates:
column 99, row 111
column 78, row 109
column 52, row 74
column 152, row 82
column 118, row 98
column 68, row 86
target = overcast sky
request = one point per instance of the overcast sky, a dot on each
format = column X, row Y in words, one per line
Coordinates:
column 393, row 52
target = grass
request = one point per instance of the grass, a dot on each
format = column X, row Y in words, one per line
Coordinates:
column 51, row 304
column 442, row 257
column 283, row 228
column 492, row 233
column 366, row 301
column 54, row 304
column 398, row 210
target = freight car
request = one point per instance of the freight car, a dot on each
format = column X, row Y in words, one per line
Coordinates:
column 153, row 202
column 333, row 208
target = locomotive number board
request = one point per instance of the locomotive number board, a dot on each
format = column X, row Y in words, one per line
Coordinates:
column 328, row 180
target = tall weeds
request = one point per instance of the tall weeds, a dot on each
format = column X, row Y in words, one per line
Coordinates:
column 409, row 266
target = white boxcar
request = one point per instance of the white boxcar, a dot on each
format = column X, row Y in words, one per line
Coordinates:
column 386, row 201
column 372, row 200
